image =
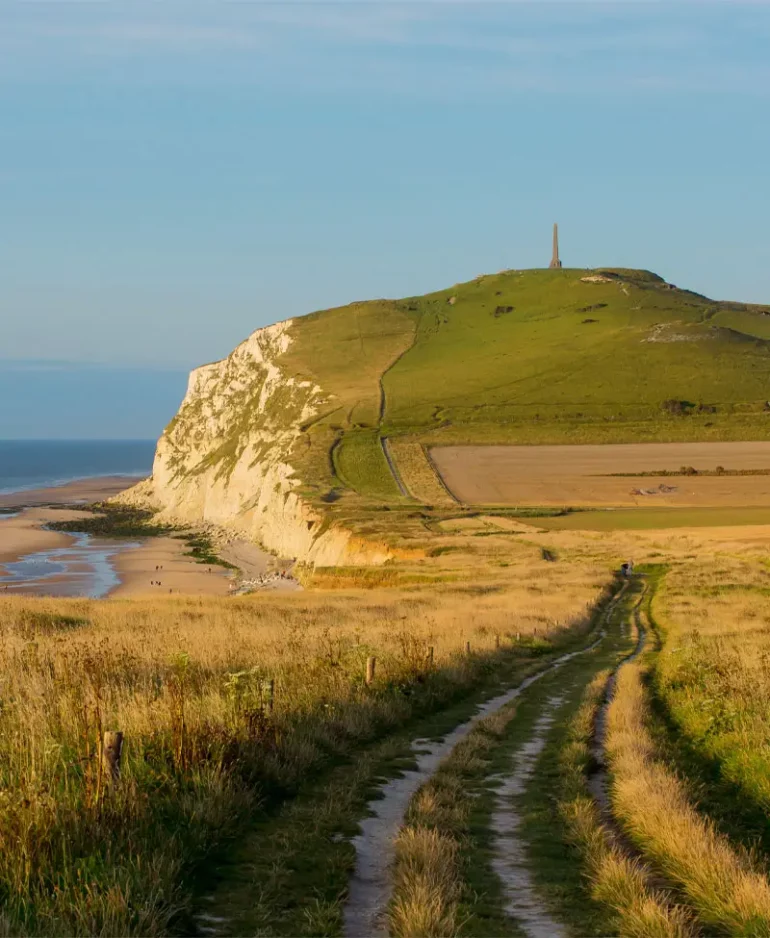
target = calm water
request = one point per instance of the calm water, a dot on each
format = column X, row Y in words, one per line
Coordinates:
column 84, row 569
column 32, row 464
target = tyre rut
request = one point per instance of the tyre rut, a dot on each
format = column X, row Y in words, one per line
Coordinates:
column 370, row 886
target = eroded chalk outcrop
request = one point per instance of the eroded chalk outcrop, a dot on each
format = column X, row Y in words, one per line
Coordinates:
column 226, row 457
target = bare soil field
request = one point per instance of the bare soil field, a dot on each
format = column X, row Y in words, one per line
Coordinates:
column 584, row 476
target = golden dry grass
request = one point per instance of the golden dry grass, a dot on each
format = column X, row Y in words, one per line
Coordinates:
column 185, row 680
column 418, row 475
column 714, row 671
column 653, row 805
column 427, row 884
column 617, row 881
column 428, row 878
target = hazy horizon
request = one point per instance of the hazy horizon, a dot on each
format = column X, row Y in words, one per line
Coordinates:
column 177, row 175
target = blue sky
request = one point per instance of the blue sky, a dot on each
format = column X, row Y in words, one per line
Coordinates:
column 175, row 174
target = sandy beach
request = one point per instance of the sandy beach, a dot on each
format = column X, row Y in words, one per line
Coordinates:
column 81, row 491
column 177, row 574
column 24, row 534
column 153, row 566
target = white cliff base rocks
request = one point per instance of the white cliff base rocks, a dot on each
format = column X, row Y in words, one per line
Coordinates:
column 224, row 459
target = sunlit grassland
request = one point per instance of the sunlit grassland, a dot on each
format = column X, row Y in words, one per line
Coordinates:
column 652, row 519
column 713, row 676
column 534, row 356
column 545, row 353
column 186, row 680
column 360, row 463
column 420, row 478
column 622, row 884
column 723, row 884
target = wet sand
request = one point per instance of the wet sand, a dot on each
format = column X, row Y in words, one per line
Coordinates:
column 180, row 574
column 135, row 561
column 23, row 533
column 81, row 491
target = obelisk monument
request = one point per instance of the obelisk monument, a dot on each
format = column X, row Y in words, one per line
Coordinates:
column 555, row 261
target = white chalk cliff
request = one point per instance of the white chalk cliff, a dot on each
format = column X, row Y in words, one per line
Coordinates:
column 225, row 458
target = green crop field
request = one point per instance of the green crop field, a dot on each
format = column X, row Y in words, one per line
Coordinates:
column 533, row 356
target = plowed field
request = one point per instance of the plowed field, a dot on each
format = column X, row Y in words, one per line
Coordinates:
column 588, row 475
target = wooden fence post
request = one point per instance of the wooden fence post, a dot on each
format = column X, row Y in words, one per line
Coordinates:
column 467, row 648
column 518, row 636
column 430, row 656
column 497, row 640
column 371, row 665
column 112, row 749
column 268, row 695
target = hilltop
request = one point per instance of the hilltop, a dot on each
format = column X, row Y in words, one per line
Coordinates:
column 294, row 420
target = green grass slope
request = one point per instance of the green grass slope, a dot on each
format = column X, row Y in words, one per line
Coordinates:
column 535, row 356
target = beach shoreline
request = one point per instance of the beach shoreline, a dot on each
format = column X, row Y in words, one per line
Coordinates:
column 24, row 535
column 75, row 492
column 156, row 567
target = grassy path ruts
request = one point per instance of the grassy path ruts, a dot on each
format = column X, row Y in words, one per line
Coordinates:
column 289, row 874
column 446, row 882
column 725, row 888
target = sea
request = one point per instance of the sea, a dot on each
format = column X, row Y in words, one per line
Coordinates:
column 34, row 464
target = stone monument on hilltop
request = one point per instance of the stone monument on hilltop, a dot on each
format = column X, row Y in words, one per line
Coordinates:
column 555, row 260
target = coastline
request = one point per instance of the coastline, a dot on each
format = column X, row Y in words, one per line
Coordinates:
column 179, row 575
column 76, row 491
column 23, row 535
column 148, row 567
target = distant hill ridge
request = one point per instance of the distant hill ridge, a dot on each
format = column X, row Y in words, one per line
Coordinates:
column 293, row 420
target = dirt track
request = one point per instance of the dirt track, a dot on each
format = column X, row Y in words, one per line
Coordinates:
column 581, row 475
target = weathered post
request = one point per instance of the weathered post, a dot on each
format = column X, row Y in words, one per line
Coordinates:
column 467, row 648
column 497, row 640
column 430, row 656
column 112, row 749
column 371, row 666
column 518, row 636
column 268, row 695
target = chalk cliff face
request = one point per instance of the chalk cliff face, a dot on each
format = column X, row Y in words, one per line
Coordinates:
column 225, row 458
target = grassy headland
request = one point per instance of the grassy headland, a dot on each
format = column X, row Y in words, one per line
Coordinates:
column 532, row 356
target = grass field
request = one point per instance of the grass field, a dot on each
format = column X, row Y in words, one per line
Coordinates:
column 652, row 519
column 254, row 745
column 209, row 745
column 534, row 356
column 260, row 731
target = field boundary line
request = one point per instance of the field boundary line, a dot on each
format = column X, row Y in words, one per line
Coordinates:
column 395, row 361
column 393, row 470
column 438, row 475
column 598, row 781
